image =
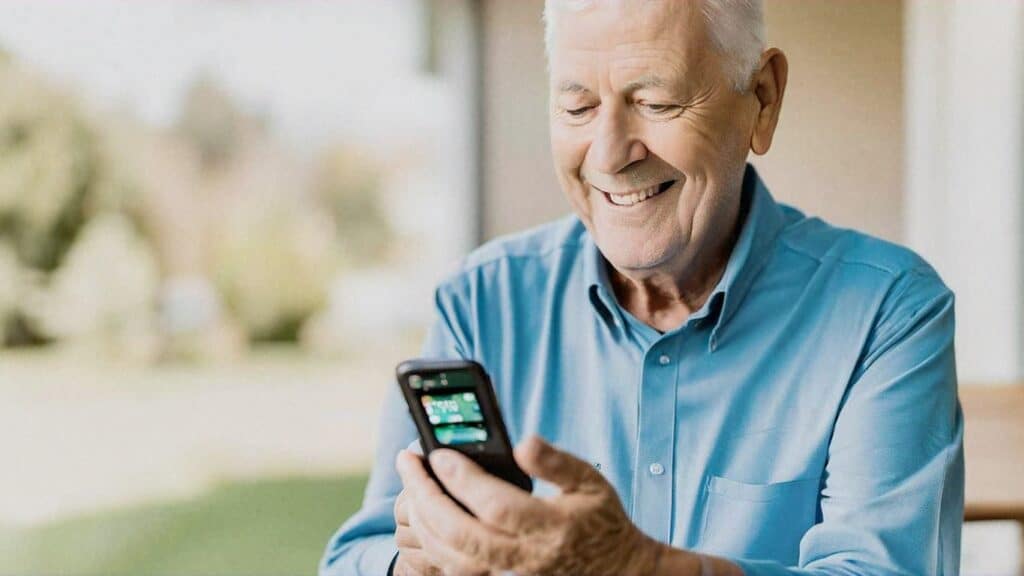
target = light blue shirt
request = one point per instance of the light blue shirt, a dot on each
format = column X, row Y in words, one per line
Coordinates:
column 803, row 421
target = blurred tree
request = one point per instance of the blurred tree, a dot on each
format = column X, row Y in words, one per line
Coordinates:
column 48, row 169
column 49, row 175
column 12, row 288
column 213, row 123
column 102, row 298
column 58, row 172
column 350, row 184
column 273, row 264
column 216, row 197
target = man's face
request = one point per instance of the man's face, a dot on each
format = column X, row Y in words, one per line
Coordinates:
column 649, row 137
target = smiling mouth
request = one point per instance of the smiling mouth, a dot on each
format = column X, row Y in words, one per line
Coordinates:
column 638, row 197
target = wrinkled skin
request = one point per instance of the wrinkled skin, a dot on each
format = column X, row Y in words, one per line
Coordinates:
column 582, row 530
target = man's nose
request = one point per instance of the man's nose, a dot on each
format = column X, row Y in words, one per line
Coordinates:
column 614, row 147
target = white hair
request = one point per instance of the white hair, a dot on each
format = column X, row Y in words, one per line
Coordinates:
column 736, row 28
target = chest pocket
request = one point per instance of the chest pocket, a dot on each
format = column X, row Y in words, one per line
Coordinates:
column 758, row 521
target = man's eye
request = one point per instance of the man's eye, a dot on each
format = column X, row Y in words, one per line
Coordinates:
column 577, row 112
column 661, row 109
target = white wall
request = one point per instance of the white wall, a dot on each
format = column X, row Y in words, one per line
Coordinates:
column 965, row 115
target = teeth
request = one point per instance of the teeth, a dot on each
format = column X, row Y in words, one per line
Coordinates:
column 634, row 198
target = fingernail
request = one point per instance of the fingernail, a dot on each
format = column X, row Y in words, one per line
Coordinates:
column 442, row 462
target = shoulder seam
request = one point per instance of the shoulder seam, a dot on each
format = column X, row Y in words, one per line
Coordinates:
column 895, row 273
column 512, row 256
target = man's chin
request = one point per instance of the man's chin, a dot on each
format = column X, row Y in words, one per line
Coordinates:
column 642, row 244
column 633, row 256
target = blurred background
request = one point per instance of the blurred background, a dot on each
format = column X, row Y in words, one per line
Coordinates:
column 221, row 223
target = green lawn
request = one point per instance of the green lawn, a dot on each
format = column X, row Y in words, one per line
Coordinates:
column 273, row 527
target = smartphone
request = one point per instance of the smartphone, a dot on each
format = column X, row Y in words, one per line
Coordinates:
column 453, row 405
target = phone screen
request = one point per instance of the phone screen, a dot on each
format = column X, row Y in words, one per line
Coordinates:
column 456, row 417
column 453, row 411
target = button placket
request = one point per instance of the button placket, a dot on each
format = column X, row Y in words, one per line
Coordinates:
column 653, row 493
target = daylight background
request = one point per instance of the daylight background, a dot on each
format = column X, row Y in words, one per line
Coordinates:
column 221, row 223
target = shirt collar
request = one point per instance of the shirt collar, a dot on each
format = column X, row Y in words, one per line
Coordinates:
column 761, row 224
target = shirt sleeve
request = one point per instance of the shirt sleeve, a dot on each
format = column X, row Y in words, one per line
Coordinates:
column 365, row 543
column 892, row 494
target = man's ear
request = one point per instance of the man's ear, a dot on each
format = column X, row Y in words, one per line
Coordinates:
column 768, row 86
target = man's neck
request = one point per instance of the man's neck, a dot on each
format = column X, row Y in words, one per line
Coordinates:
column 665, row 299
column 661, row 301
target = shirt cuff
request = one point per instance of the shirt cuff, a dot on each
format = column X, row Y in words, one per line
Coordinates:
column 367, row 556
column 378, row 555
column 391, row 567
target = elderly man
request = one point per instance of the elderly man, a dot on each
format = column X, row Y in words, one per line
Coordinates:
column 732, row 387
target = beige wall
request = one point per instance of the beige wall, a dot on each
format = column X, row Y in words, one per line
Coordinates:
column 520, row 189
column 838, row 151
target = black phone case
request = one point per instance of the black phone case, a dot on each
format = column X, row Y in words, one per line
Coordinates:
column 501, row 465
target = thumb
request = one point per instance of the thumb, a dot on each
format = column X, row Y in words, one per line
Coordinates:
column 415, row 447
column 542, row 460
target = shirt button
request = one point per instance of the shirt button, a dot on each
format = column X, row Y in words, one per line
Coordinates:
column 657, row 469
column 664, row 360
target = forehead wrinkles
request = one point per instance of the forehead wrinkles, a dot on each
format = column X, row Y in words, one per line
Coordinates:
column 627, row 71
column 669, row 66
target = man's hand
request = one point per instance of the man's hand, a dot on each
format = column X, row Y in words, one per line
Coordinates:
column 581, row 531
column 412, row 560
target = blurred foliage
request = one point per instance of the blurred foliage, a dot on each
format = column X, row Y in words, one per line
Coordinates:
column 12, row 289
column 273, row 264
column 270, row 527
column 103, row 294
column 48, row 169
column 349, row 184
column 54, row 178
column 214, row 124
column 98, row 212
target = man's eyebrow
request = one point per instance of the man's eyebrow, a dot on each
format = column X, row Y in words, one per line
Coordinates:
column 645, row 82
column 572, row 87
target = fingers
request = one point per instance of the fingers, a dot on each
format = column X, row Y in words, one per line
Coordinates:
column 538, row 458
column 456, row 550
column 445, row 531
column 401, row 509
column 426, row 497
column 415, row 563
column 491, row 499
column 458, row 542
column 414, row 476
column 405, row 538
